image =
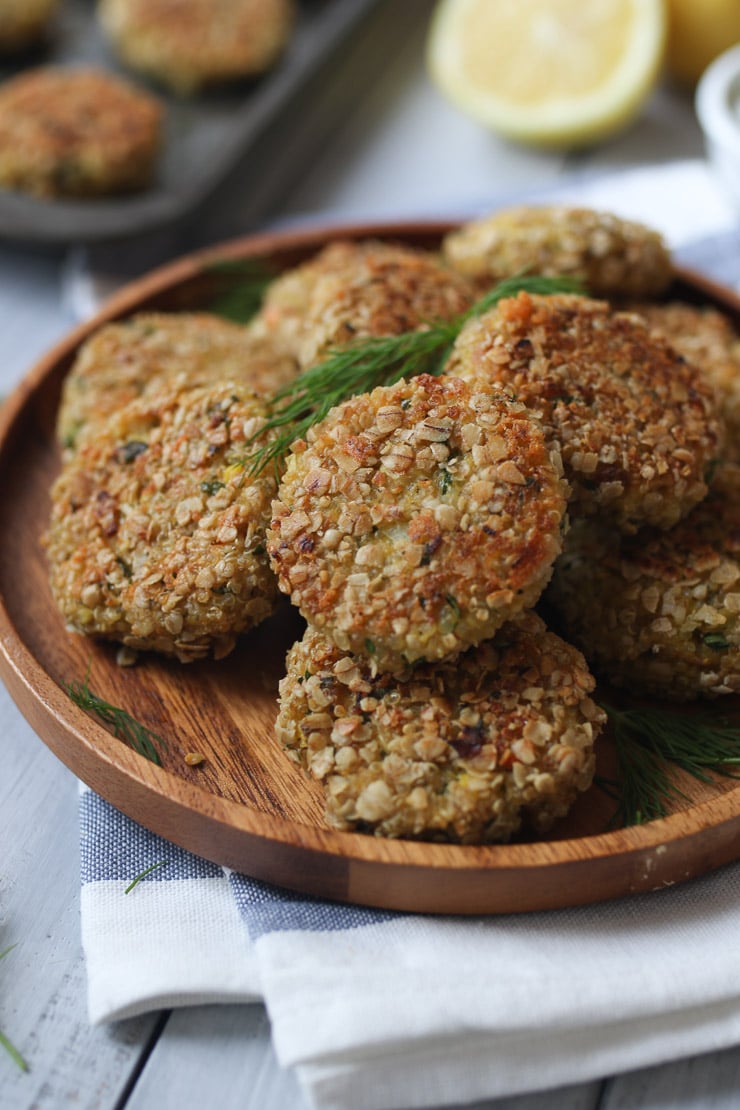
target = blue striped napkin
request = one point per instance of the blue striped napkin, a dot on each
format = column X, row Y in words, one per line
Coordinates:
column 377, row 1009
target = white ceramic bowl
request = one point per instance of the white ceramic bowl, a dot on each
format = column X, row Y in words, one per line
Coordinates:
column 718, row 109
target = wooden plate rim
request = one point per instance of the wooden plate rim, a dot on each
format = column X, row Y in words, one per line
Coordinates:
column 83, row 744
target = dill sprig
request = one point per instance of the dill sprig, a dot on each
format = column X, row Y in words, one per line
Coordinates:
column 143, row 874
column 6, row 1044
column 245, row 282
column 649, row 742
column 376, row 361
column 123, row 726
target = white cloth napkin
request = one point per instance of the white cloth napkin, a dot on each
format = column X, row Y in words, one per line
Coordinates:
column 379, row 1010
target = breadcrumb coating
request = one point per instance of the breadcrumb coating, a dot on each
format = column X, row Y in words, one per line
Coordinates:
column 123, row 360
column 416, row 519
column 707, row 338
column 610, row 255
column 467, row 750
column 658, row 612
column 636, row 424
column 157, row 535
column 353, row 290
column 76, row 132
column 188, row 44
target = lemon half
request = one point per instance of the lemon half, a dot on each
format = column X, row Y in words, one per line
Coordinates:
column 549, row 72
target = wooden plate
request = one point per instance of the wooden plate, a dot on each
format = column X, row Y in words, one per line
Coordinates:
column 247, row 806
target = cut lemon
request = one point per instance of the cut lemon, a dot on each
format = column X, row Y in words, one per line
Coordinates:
column 550, row 72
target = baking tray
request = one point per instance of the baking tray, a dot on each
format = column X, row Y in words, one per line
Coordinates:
column 206, row 136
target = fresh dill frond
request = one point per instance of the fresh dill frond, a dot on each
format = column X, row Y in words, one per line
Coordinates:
column 243, row 282
column 143, row 874
column 367, row 363
column 9, row 1047
column 649, row 742
column 123, row 726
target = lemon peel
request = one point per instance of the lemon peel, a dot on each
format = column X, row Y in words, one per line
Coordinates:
column 549, row 72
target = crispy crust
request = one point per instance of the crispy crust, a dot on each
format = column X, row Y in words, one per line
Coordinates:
column 157, row 535
column 659, row 612
column 464, row 750
column 355, row 290
column 612, row 256
column 187, row 44
column 706, row 338
column 636, row 425
column 76, row 132
column 123, row 360
column 417, row 519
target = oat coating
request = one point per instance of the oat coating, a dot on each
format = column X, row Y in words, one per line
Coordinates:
column 24, row 22
column 466, row 750
column 189, row 44
column 122, row 360
column 416, row 519
column 705, row 337
column 610, row 255
column 157, row 535
column 637, row 426
column 659, row 612
column 356, row 290
column 76, row 132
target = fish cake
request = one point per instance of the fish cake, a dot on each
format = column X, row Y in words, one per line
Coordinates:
column 468, row 750
column 76, row 133
column 189, row 44
column 123, row 360
column 350, row 291
column 157, row 533
column 23, row 23
column 637, row 425
column 659, row 612
column 706, row 338
column 612, row 256
column 416, row 519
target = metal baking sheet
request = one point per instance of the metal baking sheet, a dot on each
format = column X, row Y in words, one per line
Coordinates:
column 205, row 135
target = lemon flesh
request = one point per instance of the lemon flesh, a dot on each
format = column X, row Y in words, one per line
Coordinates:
column 549, row 72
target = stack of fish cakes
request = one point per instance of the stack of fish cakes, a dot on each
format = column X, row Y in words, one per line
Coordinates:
column 417, row 526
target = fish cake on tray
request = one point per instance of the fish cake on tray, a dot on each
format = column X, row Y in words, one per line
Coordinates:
column 189, row 44
column 157, row 533
column 637, row 426
column 659, row 612
column 416, row 519
column 467, row 750
column 76, row 132
column 125, row 359
column 23, row 23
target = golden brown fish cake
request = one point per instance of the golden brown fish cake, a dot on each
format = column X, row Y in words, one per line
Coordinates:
column 356, row 290
column 24, row 22
column 659, row 612
column 76, row 132
column 188, row 44
column 416, row 519
column 610, row 255
column 157, row 536
column 467, row 750
column 707, row 338
column 123, row 360
column 637, row 426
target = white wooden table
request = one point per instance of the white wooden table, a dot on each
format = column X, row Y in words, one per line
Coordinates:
column 398, row 150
